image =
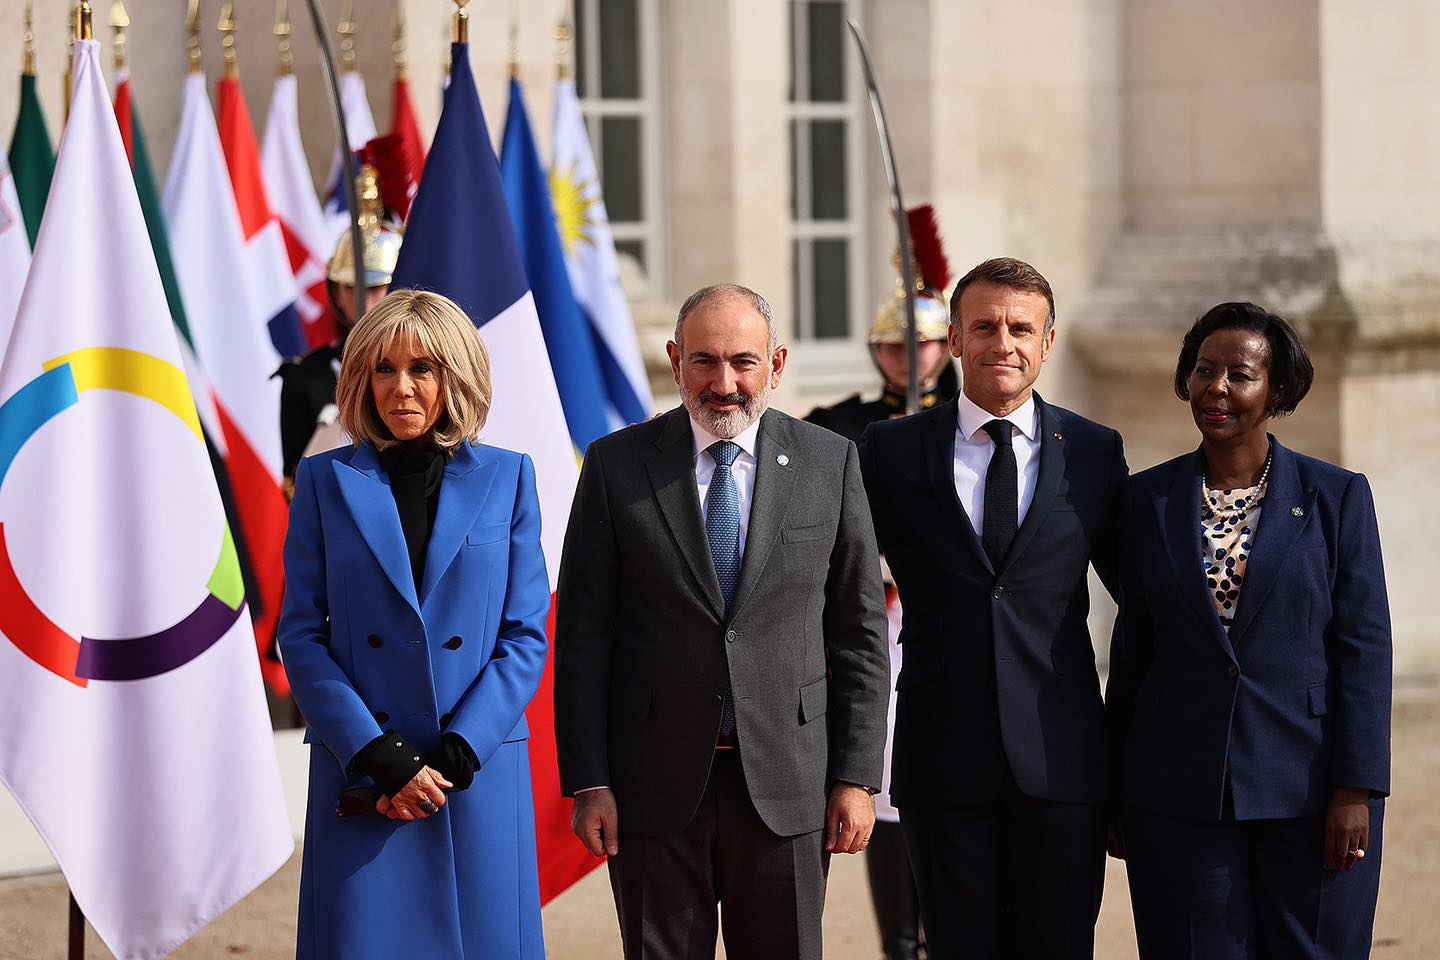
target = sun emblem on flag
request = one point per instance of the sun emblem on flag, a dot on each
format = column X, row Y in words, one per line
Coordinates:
column 572, row 207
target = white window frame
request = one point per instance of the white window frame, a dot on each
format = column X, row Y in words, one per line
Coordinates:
column 647, row 109
column 837, row 357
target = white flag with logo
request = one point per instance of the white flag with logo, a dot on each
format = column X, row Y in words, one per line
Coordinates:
column 136, row 732
column 14, row 251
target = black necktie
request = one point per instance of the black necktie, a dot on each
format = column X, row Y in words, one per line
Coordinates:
column 1002, row 500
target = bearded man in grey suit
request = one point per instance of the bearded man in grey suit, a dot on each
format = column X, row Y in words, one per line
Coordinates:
column 721, row 669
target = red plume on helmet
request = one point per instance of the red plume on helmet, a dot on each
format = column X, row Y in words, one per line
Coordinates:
column 934, row 269
column 394, row 172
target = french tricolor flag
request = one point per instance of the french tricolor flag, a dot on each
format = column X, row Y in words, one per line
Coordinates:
column 236, row 285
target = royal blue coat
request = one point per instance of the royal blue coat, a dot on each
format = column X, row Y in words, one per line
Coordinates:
column 364, row 653
column 1293, row 702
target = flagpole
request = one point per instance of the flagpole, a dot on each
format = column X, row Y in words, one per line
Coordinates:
column 347, row 159
column 84, row 30
column 27, row 68
column 286, row 64
column 119, row 20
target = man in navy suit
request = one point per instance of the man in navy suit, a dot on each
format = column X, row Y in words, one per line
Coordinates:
column 990, row 509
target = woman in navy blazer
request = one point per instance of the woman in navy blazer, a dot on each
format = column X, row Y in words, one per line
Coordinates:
column 1249, row 688
column 413, row 633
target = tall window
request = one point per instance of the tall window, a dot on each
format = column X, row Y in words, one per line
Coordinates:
column 617, row 77
column 827, row 179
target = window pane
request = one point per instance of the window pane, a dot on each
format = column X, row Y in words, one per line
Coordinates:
column 619, row 49
column 826, row 21
column 632, row 248
column 832, row 289
column 827, row 170
column 620, row 166
column 578, row 44
column 795, row 169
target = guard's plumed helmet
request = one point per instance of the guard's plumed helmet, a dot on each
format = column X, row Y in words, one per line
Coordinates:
column 932, row 280
column 382, row 239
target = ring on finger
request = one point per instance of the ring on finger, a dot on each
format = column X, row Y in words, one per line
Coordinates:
column 427, row 806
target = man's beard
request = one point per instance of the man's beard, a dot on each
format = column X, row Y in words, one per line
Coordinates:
column 729, row 424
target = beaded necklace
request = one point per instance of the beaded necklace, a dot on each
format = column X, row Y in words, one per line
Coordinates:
column 1214, row 503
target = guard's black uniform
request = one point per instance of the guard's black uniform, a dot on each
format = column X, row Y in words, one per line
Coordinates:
column 892, row 887
column 851, row 416
column 307, row 386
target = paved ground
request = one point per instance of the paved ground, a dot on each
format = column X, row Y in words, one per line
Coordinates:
column 581, row 923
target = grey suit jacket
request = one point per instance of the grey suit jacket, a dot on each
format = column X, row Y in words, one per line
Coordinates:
column 644, row 647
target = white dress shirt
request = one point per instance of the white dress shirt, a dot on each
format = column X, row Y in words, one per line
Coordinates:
column 973, row 449
column 743, row 469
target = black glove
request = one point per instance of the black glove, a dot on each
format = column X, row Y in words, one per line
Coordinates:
column 389, row 761
column 456, row 761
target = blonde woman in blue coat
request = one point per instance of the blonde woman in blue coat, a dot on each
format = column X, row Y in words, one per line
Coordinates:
column 413, row 634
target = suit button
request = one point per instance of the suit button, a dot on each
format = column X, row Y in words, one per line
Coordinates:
column 382, row 717
column 375, row 641
column 719, row 698
column 1234, row 671
column 999, row 592
column 453, row 643
column 729, row 636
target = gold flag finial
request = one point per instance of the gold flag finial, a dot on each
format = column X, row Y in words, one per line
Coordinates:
column 226, row 27
column 282, row 35
column 397, row 46
column 346, row 29
column 28, row 39
column 70, row 58
column 462, row 22
column 192, row 29
column 119, row 20
column 562, row 48
column 84, row 23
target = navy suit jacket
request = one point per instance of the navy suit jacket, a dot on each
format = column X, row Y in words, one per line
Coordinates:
column 1295, row 701
column 998, row 666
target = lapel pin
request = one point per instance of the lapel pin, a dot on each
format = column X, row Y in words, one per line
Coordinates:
column 1059, row 436
column 782, row 460
column 1297, row 511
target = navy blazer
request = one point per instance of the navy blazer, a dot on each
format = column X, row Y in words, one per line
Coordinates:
column 1295, row 701
column 998, row 666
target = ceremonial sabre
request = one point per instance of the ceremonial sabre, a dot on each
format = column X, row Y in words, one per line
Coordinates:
column 902, row 225
column 347, row 158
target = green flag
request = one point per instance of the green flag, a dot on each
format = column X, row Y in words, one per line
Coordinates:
column 32, row 160
column 134, row 136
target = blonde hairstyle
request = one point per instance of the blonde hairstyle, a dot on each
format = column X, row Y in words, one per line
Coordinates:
column 445, row 334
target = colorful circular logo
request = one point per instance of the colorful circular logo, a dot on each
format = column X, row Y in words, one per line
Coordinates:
column 65, row 380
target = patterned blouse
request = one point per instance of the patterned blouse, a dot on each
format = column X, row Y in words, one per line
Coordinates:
column 1229, row 519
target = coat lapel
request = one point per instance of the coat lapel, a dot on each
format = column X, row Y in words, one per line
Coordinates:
column 773, row 484
column 366, row 490
column 940, row 461
column 1280, row 525
column 1047, row 484
column 1179, row 512
column 463, row 491
column 672, row 475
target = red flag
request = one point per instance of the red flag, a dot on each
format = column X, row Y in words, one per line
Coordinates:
column 407, row 130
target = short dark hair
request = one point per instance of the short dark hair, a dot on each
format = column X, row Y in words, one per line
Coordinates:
column 1006, row 272
column 1291, row 371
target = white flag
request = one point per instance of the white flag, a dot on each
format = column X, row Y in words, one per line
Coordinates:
column 590, row 257
column 292, row 195
column 14, row 251
column 136, row 732
column 359, row 130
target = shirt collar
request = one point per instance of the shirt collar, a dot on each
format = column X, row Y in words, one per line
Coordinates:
column 973, row 417
column 746, row 439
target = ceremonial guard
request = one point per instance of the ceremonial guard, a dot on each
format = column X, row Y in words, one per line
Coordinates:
column 307, row 392
column 938, row 381
column 892, row 887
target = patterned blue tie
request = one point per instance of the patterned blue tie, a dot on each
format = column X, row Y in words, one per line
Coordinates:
column 722, row 529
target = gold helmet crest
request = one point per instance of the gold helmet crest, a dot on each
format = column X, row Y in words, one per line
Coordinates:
column 382, row 240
